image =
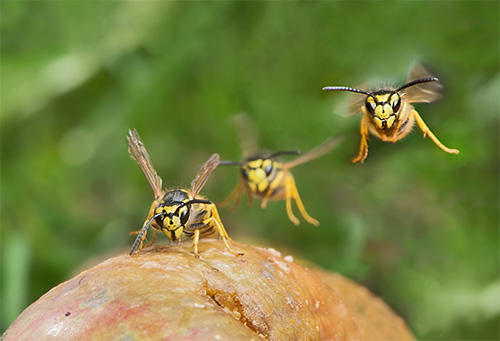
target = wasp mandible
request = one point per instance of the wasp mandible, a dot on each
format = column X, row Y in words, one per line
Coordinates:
column 388, row 114
column 264, row 176
column 177, row 212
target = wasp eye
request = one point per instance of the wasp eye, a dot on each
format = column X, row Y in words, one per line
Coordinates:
column 370, row 104
column 184, row 216
column 268, row 169
column 244, row 172
column 396, row 103
column 159, row 220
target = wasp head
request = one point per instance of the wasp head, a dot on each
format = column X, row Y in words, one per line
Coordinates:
column 173, row 213
column 258, row 173
column 384, row 107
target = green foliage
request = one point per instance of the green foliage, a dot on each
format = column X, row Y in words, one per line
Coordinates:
column 417, row 226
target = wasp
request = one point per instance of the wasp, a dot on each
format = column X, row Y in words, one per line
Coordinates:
column 388, row 113
column 177, row 212
column 264, row 176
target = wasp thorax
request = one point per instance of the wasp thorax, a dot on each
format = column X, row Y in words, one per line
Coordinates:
column 384, row 107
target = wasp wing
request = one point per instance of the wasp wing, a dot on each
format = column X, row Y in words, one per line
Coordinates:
column 140, row 154
column 204, row 173
column 315, row 153
column 424, row 92
column 247, row 134
column 353, row 102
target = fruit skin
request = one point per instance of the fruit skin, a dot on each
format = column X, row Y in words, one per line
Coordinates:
column 245, row 293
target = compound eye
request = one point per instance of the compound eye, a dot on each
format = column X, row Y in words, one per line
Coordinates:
column 244, row 172
column 159, row 220
column 395, row 103
column 184, row 216
column 268, row 169
column 370, row 104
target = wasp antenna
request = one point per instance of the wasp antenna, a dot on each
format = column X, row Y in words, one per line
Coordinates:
column 143, row 231
column 231, row 163
column 418, row 81
column 190, row 202
column 285, row 152
column 345, row 88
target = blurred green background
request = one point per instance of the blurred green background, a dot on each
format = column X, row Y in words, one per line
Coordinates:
column 417, row 226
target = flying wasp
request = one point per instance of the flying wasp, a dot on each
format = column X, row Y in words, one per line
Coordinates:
column 263, row 175
column 177, row 212
column 388, row 114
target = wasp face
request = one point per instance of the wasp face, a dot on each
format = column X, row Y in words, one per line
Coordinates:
column 174, row 213
column 259, row 173
column 384, row 107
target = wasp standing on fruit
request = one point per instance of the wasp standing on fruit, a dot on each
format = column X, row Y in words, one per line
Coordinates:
column 177, row 212
column 388, row 114
column 264, row 176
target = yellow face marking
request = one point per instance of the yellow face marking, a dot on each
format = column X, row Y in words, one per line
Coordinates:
column 390, row 121
column 371, row 101
column 382, row 98
column 173, row 234
column 259, row 173
column 262, row 186
column 378, row 122
column 395, row 97
column 256, row 175
column 383, row 111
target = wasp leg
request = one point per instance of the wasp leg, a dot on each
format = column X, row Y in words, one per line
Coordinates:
column 195, row 242
column 249, row 194
column 153, row 241
column 363, row 147
column 236, row 193
column 218, row 225
column 292, row 192
column 425, row 129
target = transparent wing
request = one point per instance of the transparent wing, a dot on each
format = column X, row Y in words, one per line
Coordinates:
column 139, row 153
column 247, row 134
column 424, row 92
column 355, row 104
column 322, row 149
column 204, row 173
column 352, row 103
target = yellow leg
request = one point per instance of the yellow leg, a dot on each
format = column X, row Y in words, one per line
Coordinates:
column 249, row 194
column 363, row 147
column 154, row 238
column 427, row 131
column 218, row 224
column 293, row 193
column 215, row 219
column 237, row 194
column 195, row 242
column 264, row 201
column 289, row 183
